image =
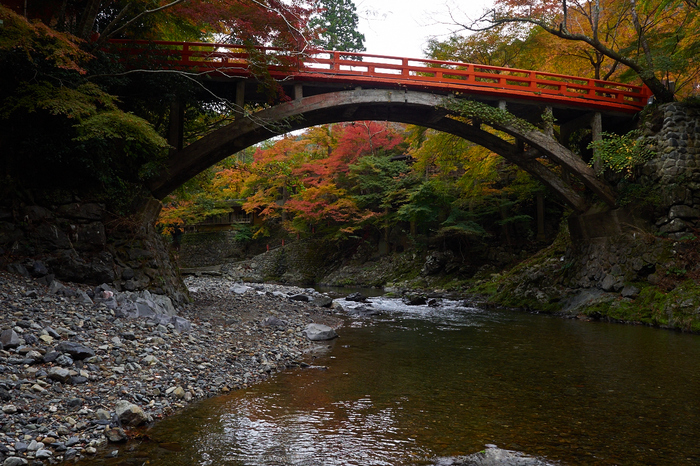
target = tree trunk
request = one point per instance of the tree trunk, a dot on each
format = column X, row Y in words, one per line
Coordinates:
column 87, row 19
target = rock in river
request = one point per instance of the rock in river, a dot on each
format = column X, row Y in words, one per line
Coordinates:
column 318, row 332
column 129, row 414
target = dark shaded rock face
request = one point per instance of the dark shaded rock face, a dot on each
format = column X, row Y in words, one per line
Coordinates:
column 70, row 240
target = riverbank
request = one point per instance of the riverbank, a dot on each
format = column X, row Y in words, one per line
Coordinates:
column 70, row 367
column 631, row 277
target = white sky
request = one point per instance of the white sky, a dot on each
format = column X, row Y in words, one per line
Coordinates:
column 402, row 27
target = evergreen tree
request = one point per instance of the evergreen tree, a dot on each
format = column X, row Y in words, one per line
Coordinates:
column 338, row 22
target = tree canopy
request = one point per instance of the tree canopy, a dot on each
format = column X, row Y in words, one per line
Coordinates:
column 337, row 23
column 657, row 41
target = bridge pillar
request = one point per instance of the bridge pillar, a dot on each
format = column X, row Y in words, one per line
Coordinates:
column 596, row 135
column 240, row 95
column 298, row 91
column 176, row 126
column 540, row 217
column 548, row 121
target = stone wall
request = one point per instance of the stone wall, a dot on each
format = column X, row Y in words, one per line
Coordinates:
column 675, row 173
column 68, row 239
column 209, row 248
column 612, row 248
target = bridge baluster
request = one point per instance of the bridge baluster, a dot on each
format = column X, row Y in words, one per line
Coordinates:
column 444, row 76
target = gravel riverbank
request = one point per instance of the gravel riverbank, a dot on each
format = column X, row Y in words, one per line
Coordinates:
column 78, row 368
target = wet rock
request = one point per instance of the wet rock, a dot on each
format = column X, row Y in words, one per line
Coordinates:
column 493, row 456
column 361, row 311
column 130, row 414
column 414, row 299
column 319, row 332
column 116, row 435
column 356, row 297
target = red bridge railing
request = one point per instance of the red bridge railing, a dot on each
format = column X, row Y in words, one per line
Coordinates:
column 358, row 68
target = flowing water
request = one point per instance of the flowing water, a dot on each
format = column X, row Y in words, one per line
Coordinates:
column 415, row 383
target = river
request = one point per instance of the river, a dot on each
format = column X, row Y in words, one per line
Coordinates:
column 416, row 383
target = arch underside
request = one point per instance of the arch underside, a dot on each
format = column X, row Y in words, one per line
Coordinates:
column 409, row 107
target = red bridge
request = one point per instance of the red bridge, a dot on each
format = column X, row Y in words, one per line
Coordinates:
column 350, row 68
column 328, row 87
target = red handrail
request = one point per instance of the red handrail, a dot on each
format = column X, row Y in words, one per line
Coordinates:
column 352, row 67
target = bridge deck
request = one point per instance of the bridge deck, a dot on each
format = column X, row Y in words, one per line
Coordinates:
column 359, row 69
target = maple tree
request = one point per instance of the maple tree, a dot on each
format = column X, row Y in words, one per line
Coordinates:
column 303, row 183
column 259, row 22
column 657, row 40
column 57, row 78
column 86, row 140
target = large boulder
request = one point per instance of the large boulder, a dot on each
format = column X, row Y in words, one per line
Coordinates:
column 130, row 414
column 319, row 332
column 414, row 299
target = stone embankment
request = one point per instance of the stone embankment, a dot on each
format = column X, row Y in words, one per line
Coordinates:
column 79, row 367
column 72, row 240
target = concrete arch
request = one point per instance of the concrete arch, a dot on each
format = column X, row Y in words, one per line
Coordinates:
column 401, row 106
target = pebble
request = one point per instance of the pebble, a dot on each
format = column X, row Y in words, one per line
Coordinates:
column 72, row 361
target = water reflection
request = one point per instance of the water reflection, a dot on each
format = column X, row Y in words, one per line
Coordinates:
column 413, row 383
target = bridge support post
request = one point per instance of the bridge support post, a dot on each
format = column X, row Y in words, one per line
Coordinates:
column 548, row 120
column 176, row 126
column 596, row 135
column 564, row 136
column 240, row 95
column 540, row 217
column 298, row 92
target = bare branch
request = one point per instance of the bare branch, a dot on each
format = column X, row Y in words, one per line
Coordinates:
column 142, row 14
